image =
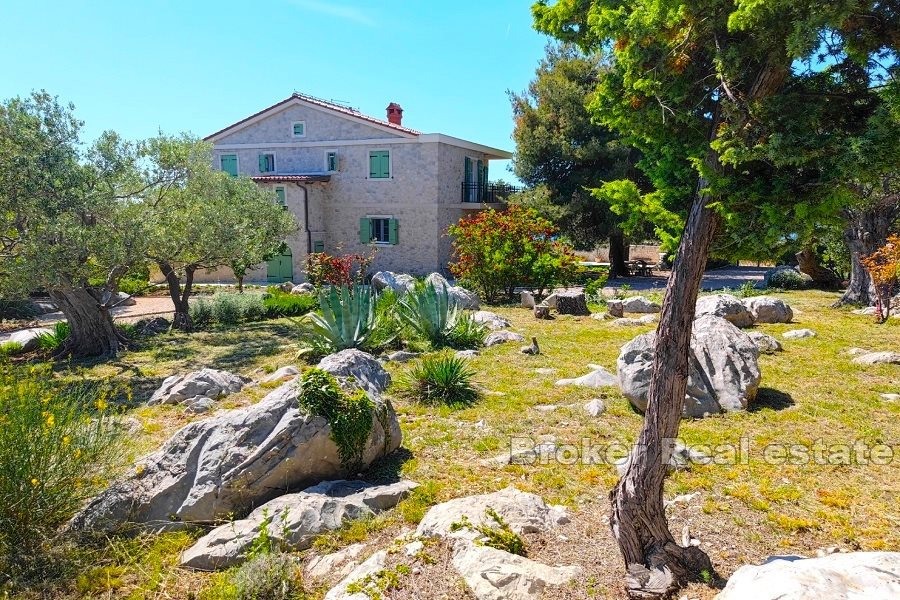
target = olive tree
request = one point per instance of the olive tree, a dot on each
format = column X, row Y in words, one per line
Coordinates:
column 67, row 217
column 203, row 218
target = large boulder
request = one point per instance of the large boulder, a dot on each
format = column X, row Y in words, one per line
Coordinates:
column 878, row 358
column 489, row 319
column 294, row 520
column 205, row 383
column 724, row 369
column 363, row 367
column 459, row 296
column 639, row 304
column 726, row 306
column 30, row 339
column 397, row 282
column 766, row 309
column 222, row 467
column 502, row 337
column 848, row 576
column 303, row 288
column 571, row 303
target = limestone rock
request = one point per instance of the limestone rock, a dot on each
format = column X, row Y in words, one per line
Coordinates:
column 493, row 574
column 123, row 299
column 798, row 334
column 681, row 457
column 550, row 301
column 491, row 320
column 615, row 308
column 211, row 383
column 286, row 287
column 726, row 306
column 597, row 378
column 501, row 337
column 890, row 397
column 294, row 520
column 639, row 304
column 765, row 342
column 525, row 513
column 281, row 374
column 849, row 576
column 541, row 311
column 29, row 338
column 361, row 366
column 370, row 566
column 198, row 405
column 723, row 369
column 595, row 407
column 629, row 322
column 225, row 465
column 460, row 296
column 571, row 303
column 340, row 563
column 399, row 283
column 401, row 356
column 466, row 353
column 527, row 299
column 766, row 309
column 878, row 358
column 303, row 288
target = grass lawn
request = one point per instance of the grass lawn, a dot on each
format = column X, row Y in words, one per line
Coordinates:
column 742, row 513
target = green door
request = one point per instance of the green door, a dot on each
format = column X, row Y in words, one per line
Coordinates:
column 280, row 267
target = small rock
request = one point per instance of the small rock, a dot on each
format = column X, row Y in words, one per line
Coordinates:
column 281, row 374
column 595, row 407
column 493, row 321
column 521, row 456
column 414, row 548
column 401, row 356
column 466, row 353
column 501, row 337
column 615, row 308
column 798, row 334
column 604, row 316
column 546, row 407
column 303, row 288
column 878, row 358
column 545, row 370
column 890, row 397
column 681, row 458
column 765, row 342
column 370, row 566
column 28, row 338
column 542, row 311
column 597, row 378
column 682, row 499
column 638, row 304
column 527, row 299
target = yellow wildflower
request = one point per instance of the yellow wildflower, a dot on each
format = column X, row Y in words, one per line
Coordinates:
column 34, row 482
column 77, row 452
column 65, row 440
column 51, row 420
column 101, row 405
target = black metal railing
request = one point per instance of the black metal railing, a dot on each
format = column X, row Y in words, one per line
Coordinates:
column 488, row 193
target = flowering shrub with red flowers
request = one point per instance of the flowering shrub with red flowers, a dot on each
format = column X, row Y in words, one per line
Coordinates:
column 348, row 269
column 497, row 251
column 883, row 266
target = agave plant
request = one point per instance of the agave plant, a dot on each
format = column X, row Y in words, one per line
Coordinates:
column 430, row 312
column 346, row 317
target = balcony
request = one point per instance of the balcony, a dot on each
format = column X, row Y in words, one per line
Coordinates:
column 487, row 193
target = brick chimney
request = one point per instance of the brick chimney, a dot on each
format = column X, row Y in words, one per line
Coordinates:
column 395, row 113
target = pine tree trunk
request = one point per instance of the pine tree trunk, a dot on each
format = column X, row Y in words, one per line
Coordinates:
column 91, row 328
column 823, row 278
column 617, row 255
column 182, row 319
column 655, row 563
column 866, row 231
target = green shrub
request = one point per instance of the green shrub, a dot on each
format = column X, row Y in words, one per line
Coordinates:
column 273, row 576
column 346, row 318
column 283, row 304
column 253, row 307
column 226, row 309
column 500, row 537
column 201, row 312
column 17, row 309
column 349, row 415
column 53, row 339
column 440, row 379
column 10, row 349
column 57, row 447
column 467, row 333
column 788, row 279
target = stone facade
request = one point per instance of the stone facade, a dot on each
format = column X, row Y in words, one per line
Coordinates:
column 423, row 192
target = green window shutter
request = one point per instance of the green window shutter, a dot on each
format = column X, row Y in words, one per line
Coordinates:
column 365, row 230
column 280, row 198
column 385, row 164
column 468, row 170
column 392, row 231
column 331, row 161
column 373, row 164
column 262, row 163
column 379, row 164
column 480, row 173
column 486, row 179
column 229, row 164
column 299, row 129
column 318, row 246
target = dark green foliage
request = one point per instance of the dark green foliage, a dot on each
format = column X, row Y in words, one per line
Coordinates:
column 16, row 309
column 348, row 414
column 466, row 333
column 788, row 279
column 227, row 309
column 386, row 329
column 441, row 379
column 201, row 312
column 283, row 304
column 267, row 576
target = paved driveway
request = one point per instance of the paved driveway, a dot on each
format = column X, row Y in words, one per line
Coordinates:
column 716, row 279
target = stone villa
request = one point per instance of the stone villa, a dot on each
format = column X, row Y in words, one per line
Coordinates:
column 352, row 180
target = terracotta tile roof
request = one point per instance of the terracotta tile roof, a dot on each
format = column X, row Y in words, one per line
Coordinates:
column 324, row 104
column 288, row 177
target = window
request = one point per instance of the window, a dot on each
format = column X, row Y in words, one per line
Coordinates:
column 331, row 162
column 381, row 230
column 318, row 246
column 266, row 163
column 298, row 129
column 280, row 197
column 379, row 164
column 229, row 164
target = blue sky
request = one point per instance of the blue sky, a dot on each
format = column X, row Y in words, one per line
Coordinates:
column 141, row 67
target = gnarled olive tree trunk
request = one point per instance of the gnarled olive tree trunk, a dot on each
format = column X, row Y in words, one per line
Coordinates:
column 867, row 230
column 822, row 277
column 179, row 295
column 91, row 328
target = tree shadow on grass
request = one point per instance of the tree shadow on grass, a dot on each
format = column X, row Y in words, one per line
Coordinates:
column 252, row 341
column 771, row 399
column 388, row 469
